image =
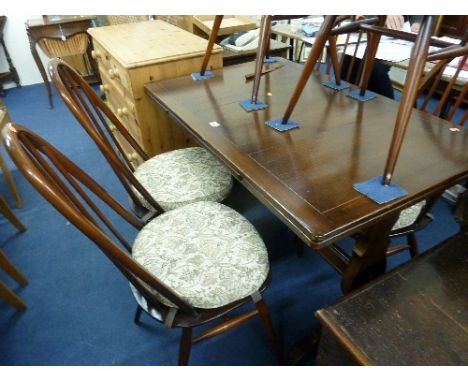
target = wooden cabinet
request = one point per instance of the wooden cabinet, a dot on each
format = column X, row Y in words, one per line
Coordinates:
column 130, row 55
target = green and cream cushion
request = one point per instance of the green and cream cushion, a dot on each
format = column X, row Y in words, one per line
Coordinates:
column 184, row 176
column 206, row 252
column 409, row 215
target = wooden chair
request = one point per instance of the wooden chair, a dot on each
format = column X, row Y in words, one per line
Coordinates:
column 453, row 94
column 187, row 267
column 164, row 182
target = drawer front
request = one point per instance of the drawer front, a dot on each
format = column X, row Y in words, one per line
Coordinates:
column 116, row 105
column 108, row 65
column 124, row 109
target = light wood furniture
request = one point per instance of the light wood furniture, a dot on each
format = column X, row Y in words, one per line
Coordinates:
column 58, row 30
column 4, row 119
column 203, row 25
column 130, row 55
column 306, row 175
column 277, row 49
column 416, row 315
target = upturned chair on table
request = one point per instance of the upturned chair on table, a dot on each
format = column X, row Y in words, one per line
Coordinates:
column 417, row 216
column 162, row 183
column 187, row 267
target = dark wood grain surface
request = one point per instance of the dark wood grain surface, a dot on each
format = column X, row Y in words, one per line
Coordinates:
column 306, row 175
column 415, row 315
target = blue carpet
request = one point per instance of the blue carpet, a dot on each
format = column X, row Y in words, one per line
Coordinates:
column 80, row 308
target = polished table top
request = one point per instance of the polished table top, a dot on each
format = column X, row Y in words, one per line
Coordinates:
column 306, row 176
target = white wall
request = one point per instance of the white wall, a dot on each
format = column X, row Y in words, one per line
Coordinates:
column 17, row 44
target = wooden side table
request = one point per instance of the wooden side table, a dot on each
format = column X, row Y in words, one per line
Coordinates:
column 12, row 74
column 60, row 28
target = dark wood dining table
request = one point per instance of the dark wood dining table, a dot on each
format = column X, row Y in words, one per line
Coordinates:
column 306, row 175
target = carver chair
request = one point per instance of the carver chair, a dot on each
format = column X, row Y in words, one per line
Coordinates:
column 187, row 267
column 162, row 183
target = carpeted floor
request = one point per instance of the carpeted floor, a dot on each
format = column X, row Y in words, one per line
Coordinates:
column 80, row 309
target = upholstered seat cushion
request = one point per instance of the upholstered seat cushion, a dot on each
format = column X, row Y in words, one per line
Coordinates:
column 409, row 215
column 206, row 252
column 184, row 176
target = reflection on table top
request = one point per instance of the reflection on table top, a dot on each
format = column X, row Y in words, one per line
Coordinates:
column 306, row 175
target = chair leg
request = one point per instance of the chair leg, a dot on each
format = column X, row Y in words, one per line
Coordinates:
column 11, row 270
column 11, row 298
column 264, row 314
column 10, row 182
column 413, row 244
column 185, row 346
column 138, row 311
column 5, row 210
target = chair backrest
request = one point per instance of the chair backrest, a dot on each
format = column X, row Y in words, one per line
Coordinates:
column 74, row 194
column 452, row 87
column 351, row 61
column 102, row 126
column 445, row 78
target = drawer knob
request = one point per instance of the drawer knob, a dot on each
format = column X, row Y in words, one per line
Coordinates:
column 113, row 73
column 104, row 88
column 122, row 111
column 96, row 54
column 133, row 157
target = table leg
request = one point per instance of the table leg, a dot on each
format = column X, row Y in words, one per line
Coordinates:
column 37, row 59
column 368, row 259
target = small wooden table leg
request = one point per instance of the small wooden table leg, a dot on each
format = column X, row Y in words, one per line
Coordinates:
column 32, row 46
column 369, row 256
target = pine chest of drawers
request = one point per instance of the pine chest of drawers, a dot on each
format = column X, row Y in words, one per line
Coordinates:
column 130, row 55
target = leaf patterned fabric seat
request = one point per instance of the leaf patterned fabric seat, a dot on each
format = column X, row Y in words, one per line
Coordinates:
column 409, row 215
column 184, row 176
column 206, row 252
